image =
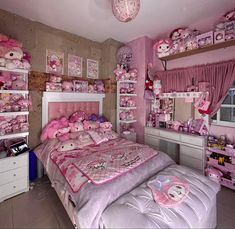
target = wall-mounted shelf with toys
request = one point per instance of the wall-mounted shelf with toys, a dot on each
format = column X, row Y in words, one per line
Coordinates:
column 221, row 161
column 184, row 42
column 126, row 102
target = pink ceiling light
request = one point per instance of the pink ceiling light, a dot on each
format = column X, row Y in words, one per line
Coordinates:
column 125, row 10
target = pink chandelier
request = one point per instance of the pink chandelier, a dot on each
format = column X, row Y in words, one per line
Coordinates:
column 125, row 10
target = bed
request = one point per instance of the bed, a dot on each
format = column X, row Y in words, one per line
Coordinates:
column 126, row 201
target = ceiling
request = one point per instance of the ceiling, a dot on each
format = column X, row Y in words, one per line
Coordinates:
column 93, row 19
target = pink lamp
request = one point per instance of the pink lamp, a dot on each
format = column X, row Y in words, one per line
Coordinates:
column 125, row 10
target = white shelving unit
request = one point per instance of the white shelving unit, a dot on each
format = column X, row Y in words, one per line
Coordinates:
column 180, row 95
column 125, row 109
column 14, row 170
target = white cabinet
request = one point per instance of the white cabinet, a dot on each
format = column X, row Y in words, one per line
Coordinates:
column 14, row 124
column 191, row 148
column 13, row 176
column 129, row 109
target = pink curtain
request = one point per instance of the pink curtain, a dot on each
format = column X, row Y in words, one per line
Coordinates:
column 219, row 75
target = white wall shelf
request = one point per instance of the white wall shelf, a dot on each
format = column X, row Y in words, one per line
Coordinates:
column 127, row 121
column 128, row 94
column 14, row 113
column 14, row 70
column 127, row 81
column 181, row 95
column 14, row 91
column 15, row 135
column 127, row 108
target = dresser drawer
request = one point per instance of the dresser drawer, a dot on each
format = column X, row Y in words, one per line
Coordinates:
column 191, row 162
column 12, row 175
column 13, row 162
column 152, row 131
column 170, row 135
column 192, row 140
column 151, row 141
column 13, row 187
column 191, row 152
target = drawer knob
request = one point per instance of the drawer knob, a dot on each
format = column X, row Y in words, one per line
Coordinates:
column 14, row 186
column 14, row 174
column 14, row 163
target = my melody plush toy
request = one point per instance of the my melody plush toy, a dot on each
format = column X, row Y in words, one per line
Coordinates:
column 163, row 47
column 11, row 54
column 214, row 174
column 67, row 86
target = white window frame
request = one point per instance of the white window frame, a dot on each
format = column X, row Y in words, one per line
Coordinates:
column 217, row 121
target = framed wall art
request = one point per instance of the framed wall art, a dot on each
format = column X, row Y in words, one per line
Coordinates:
column 92, row 69
column 54, row 62
column 74, row 65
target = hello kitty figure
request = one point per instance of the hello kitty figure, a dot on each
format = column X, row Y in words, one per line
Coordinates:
column 163, row 47
column 214, row 174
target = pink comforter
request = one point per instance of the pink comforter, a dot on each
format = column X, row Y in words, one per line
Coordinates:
column 102, row 163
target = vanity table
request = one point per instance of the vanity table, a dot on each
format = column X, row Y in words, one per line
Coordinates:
column 191, row 148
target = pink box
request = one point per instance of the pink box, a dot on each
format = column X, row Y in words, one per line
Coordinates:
column 57, row 87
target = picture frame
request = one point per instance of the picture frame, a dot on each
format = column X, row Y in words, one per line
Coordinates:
column 92, row 69
column 219, row 36
column 53, row 87
column 205, row 39
column 54, row 62
column 74, row 65
column 80, row 86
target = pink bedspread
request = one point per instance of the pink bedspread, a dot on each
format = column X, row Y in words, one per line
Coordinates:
column 102, row 163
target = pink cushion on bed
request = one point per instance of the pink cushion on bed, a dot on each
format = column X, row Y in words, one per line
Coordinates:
column 97, row 137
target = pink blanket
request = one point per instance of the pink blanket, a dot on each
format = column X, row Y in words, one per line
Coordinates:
column 102, row 163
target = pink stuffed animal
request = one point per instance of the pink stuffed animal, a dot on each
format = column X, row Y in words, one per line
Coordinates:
column 51, row 130
column 76, row 127
column 186, row 33
column 130, row 115
column 67, row 86
column 99, row 86
column 130, row 88
column 175, row 35
column 78, row 116
column 18, row 85
column 214, row 174
column 24, row 104
column 131, row 103
column 106, row 125
column 163, row 47
column 133, row 74
column 123, row 115
column 21, row 118
column 119, row 71
column 88, row 125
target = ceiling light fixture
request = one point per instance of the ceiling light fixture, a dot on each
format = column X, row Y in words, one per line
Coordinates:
column 125, row 10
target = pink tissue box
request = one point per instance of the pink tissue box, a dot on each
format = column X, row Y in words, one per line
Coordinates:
column 57, row 87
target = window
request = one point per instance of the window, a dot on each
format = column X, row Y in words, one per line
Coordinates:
column 226, row 114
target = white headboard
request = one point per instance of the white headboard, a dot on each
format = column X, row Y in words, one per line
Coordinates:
column 63, row 97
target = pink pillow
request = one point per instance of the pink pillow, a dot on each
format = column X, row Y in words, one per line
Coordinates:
column 97, row 137
column 110, row 134
column 88, row 125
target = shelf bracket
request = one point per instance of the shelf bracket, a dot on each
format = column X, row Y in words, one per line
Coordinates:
column 164, row 64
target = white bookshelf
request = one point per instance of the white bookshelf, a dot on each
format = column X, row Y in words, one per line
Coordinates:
column 14, row 135
column 14, row 113
column 122, row 109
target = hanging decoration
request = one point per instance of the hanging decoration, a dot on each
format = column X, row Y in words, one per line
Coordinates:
column 125, row 10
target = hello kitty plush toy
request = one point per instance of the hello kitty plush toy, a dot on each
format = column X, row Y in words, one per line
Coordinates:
column 163, row 47
column 76, row 127
column 229, row 16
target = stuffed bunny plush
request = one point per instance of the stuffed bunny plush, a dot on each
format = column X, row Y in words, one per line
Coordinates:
column 163, row 47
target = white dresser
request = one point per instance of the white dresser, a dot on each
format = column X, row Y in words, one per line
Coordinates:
column 14, row 178
column 191, row 148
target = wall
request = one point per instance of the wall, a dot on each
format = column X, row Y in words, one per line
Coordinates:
column 36, row 38
column 142, row 55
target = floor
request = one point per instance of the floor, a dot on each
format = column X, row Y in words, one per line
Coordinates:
column 41, row 208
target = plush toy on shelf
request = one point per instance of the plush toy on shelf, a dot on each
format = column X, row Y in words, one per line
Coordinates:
column 229, row 16
column 163, row 47
column 157, row 87
column 214, row 174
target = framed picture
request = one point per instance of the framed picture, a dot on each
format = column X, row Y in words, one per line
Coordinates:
column 54, row 62
column 74, row 65
column 80, row 86
column 92, row 69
